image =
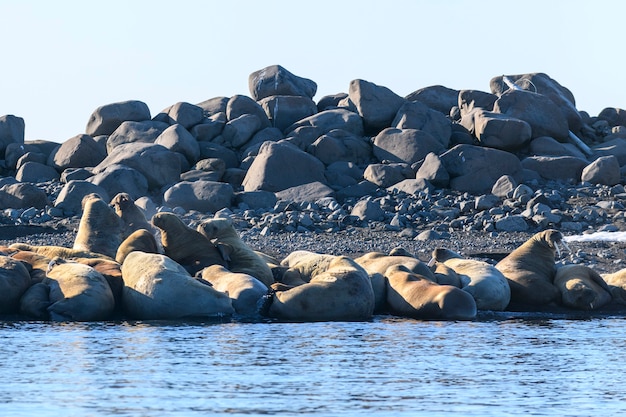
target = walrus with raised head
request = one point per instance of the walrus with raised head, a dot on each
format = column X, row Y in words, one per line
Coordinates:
column 131, row 215
column 142, row 240
column 100, row 229
column 530, row 269
column 342, row 291
column 185, row 245
column 581, row 287
column 78, row 292
column 241, row 258
column 412, row 295
column 482, row 280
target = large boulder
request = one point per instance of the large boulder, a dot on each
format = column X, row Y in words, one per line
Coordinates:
column 405, row 145
column 339, row 145
column 416, row 115
column 185, row 114
column 604, row 170
column 178, row 139
column 210, row 127
column 385, row 175
column 22, row 195
column 105, row 119
column 437, row 97
column 283, row 111
column 497, row 130
column 202, row 196
column 310, row 192
column 556, row 167
column 15, row 151
column 328, row 120
column 11, row 131
column 377, row 105
column 238, row 131
column 472, row 99
column 433, row 171
column 279, row 166
column 543, row 116
column 36, row 172
column 78, row 152
column 135, row 132
column 475, row 169
column 276, row 80
column 118, row 178
column 239, row 105
column 158, row 164
column 71, row 196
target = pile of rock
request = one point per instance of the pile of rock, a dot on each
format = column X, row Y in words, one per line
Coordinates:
column 438, row 158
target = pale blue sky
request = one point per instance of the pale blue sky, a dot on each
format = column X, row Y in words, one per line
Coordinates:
column 63, row 59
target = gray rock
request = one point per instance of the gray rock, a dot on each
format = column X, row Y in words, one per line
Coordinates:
column 328, row 120
column 412, row 186
column 21, row 196
column 275, row 80
column 433, row 171
column 547, row 146
column 239, row 105
column 613, row 115
column 106, row 119
column 283, row 111
column 271, row 134
column 416, row 115
column 472, row 99
column 135, row 132
column 504, row 186
column 367, row 210
column 185, row 114
column 77, row 152
column 210, row 127
column 309, row 192
column 71, row 196
column 330, row 101
column 615, row 147
column 340, row 145
column 178, row 139
column 405, row 145
column 237, row 132
column 362, row 189
column 11, row 131
column 385, row 175
column 202, row 196
column 556, row 167
column 513, row 223
column 213, row 150
column 604, row 170
column 35, row 172
column 118, row 178
column 214, row 105
column 31, row 157
column 279, row 166
column 70, row 174
column 497, row 130
column 486, row 202
column 256, row 199
column 158, row 164
column 377, row 105
column 437, row 97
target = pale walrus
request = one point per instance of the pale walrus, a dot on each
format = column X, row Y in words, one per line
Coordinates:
column 78, row 292
column 241, row 258
column 412, row 295
column 581, row 287
column 185, row 245
column 483, row 281
column 142, row 240
column 100, row 229
column 616, row 282
column 14, row 281
column 530, row 269
column 341, row 292
column 131, row 215
column 156, row 287
column 52, row 251
column 244, row 290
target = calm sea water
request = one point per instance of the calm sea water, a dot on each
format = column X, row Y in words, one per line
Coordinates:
column 496, row 366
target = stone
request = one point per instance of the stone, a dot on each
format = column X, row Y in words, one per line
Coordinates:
column 472, row 99
column 31, row 157
column 330, row 101
column 135, row 132
column 77, row 152
column 486, row 202
column 377, row 105
column 328, row 120
column 213, row 150
column 512, row 223
column 214, row 105
column 309, row 192
column 556, row 167
column 613, row 115
column 202, row 196
column 239, row 105
column 11, row 131
column 497, row 130
column 385, row 175
column 504, row 186
column 177, row 138
column 256, row 199
column 185, row 114
column 405, row 145
column 118, row 178
column 106, row 119
column 21, row 196
column 275, row 80
column 271, row 134
column 35, row 172
column 283, row 111
column 615, row 147
column 433, row 171
column 158, row 164
column 416, row 115
column 367, row 210
column 340, row 145
column 210, row 127
column 547, row 146
column 437, row 97
column 362, row 189
column 544, row 118
column 412, row 186
column 237, row 132
column 70, row 174
column 605, row 170
column 71, row 195
column 475, row 169
column 279, row 166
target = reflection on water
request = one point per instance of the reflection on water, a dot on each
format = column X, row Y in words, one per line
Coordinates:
column 385, row 367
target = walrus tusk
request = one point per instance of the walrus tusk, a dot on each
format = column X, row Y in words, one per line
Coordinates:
column 431, row 262
column 558, row 250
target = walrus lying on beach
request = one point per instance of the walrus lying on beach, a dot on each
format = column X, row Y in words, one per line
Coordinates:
column 581, row 287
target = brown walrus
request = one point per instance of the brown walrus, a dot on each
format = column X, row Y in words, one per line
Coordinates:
column 142, row 240
column 131, row 215
column 100, row 229
column 530, row 269
column 581, row 287
column 185, row 245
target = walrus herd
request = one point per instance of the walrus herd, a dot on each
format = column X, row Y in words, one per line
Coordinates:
column 123, row 266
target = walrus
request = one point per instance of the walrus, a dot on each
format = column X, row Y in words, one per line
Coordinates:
column 244, row 290
column 52, row 251
column 341, row 292
column 482, row 280
column 36, row 264
column 185, row 245
column 157, row 287
column 132, row 216
column 142, row 240
column 412, row 295
column 616, row 282
column 581, row 287
column 14, row 281
column 302, row 265
column 111, row 271
column 100, row 229
column 78, row 292
column 241, row 258
column 531, row 267
column 35, row 301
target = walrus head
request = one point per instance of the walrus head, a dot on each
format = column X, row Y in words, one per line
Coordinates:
column 121, row 201
column 553, row 238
